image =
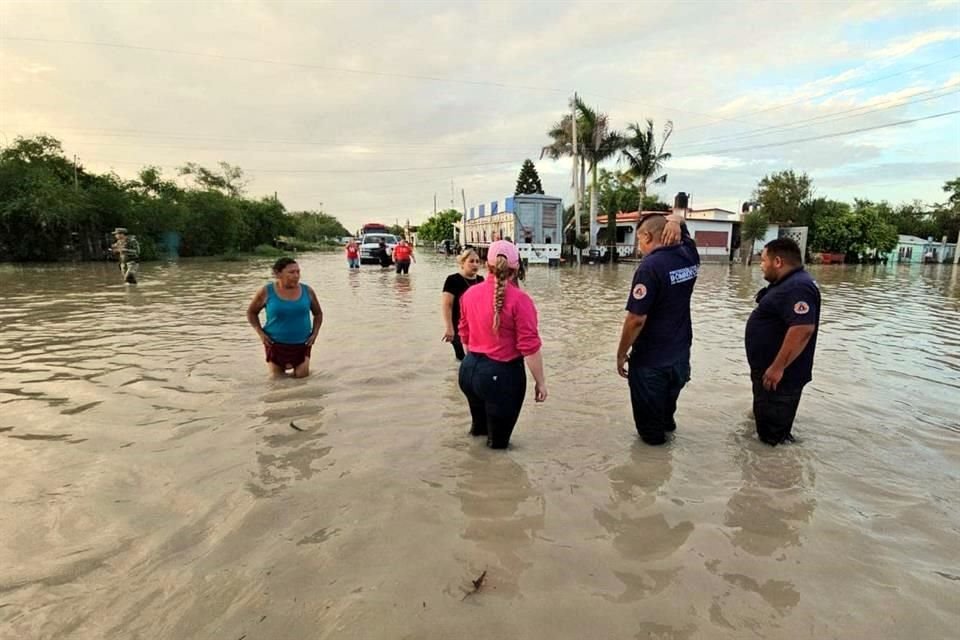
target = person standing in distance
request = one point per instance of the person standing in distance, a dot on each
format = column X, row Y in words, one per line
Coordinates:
column 781, row 339
column 353, row 255
column 127, row 249
column 287, row 337
column 498, row 327
column 402, row 255
column 658, row 330
column 454, row 287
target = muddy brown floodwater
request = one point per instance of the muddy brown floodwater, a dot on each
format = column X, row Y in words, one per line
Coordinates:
column 151, row 486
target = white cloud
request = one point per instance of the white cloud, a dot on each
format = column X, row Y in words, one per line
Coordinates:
column 916, row 42
column 704, row 163
column 653, row 59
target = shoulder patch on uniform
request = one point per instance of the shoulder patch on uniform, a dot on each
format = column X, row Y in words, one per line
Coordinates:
column 640, row 292
column 801, row 308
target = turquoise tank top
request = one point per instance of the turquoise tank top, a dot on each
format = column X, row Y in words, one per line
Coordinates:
column 288, row 321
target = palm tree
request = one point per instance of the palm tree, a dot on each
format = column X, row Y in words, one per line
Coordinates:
column 753, row 228
column 601, row 143
column 562, row 146
column 644, row 158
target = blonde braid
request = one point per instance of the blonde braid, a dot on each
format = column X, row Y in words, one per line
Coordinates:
column 502, row 274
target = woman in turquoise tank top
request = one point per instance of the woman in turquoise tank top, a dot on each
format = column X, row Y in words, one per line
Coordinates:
column 288, row 335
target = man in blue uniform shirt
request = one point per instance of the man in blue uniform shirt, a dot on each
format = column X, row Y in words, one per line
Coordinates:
column 781, row 338
column 657, row 330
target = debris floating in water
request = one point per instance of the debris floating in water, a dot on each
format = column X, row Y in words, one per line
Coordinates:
column 294, row 426
column 476, row 585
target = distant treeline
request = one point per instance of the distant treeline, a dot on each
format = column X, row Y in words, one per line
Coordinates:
column 52, row 209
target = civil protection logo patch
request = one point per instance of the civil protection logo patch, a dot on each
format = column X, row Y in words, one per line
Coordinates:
column 801, row 308
column 639, row 292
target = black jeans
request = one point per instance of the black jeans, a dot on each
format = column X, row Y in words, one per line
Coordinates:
column 774, row 411
column 653, row 395
column 457, row 346
column 403, row 266
column 495, row 392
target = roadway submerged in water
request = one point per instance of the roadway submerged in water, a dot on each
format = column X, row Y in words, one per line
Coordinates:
column 153, row 487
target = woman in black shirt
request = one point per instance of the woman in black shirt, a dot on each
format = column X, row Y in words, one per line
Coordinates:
column 453, row 288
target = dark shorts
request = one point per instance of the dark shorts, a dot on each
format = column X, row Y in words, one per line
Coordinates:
column 287, row 355
column 774, row 411
column 403, row 266
column 653, row 396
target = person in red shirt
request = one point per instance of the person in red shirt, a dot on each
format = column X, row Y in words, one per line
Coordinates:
column 353, row 255
column 498, row 328
column 402, row 255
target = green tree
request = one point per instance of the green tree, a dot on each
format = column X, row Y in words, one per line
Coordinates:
column 645, row 160
column 953, row 188
column 617, row 192
column 228, row 179
column 829, row 225
column 602, row 143
column 872, row 233
column 782, row 196
column 440, row 226
column 315, row 226
column 753, row 228
column 528, row 182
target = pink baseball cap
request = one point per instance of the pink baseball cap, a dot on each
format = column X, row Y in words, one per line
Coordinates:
column 506, row 249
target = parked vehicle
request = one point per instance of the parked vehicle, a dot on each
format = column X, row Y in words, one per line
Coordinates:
column 370, row 246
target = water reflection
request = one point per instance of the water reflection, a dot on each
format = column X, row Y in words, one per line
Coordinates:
column 774, row 502
column 504, row 511
column 637, row 523
column 292, row 444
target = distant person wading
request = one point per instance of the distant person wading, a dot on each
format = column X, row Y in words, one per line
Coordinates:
column 454, row 287
column 402, row 256
column 127, row 250
column 287, row 336
column 498, row 327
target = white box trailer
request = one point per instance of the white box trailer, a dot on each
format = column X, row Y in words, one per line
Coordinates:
column 534, row 222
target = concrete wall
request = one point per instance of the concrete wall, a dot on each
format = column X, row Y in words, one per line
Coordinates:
column 712, row 225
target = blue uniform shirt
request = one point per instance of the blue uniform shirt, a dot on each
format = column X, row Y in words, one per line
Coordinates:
column 661, row 290
column 793, row 300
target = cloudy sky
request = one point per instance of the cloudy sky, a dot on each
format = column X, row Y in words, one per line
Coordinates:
column 370, row 109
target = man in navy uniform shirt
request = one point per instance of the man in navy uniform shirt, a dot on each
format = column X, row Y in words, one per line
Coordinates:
column 657, row 329
column 781, row 338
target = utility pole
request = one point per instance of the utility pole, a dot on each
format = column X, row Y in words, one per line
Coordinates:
column 463, row 220
column 434, row 204
column 576, row 181
column 76, row 183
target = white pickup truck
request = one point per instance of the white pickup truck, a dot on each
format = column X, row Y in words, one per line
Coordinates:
column 370, row 246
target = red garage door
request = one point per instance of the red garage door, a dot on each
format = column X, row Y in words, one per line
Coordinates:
column 711, row 238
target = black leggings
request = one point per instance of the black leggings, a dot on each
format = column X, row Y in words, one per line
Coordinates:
column 457, row 347
column 403, row 266
column 774, row 411
column 495, row 392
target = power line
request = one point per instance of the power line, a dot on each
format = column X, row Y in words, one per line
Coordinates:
column 302, row 65
column 385, row 74
column 833, row 91
column 829, row 118
column 838, row 134
column 308, row 171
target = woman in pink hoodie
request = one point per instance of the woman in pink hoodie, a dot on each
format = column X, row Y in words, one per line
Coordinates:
column 498, row 327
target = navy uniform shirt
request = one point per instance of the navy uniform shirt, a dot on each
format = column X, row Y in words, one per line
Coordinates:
column 661, row 290
column 791, row 301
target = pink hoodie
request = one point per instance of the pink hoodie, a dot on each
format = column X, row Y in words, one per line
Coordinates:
column 518, row 335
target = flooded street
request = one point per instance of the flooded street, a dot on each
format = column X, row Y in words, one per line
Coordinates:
column 152, row 486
